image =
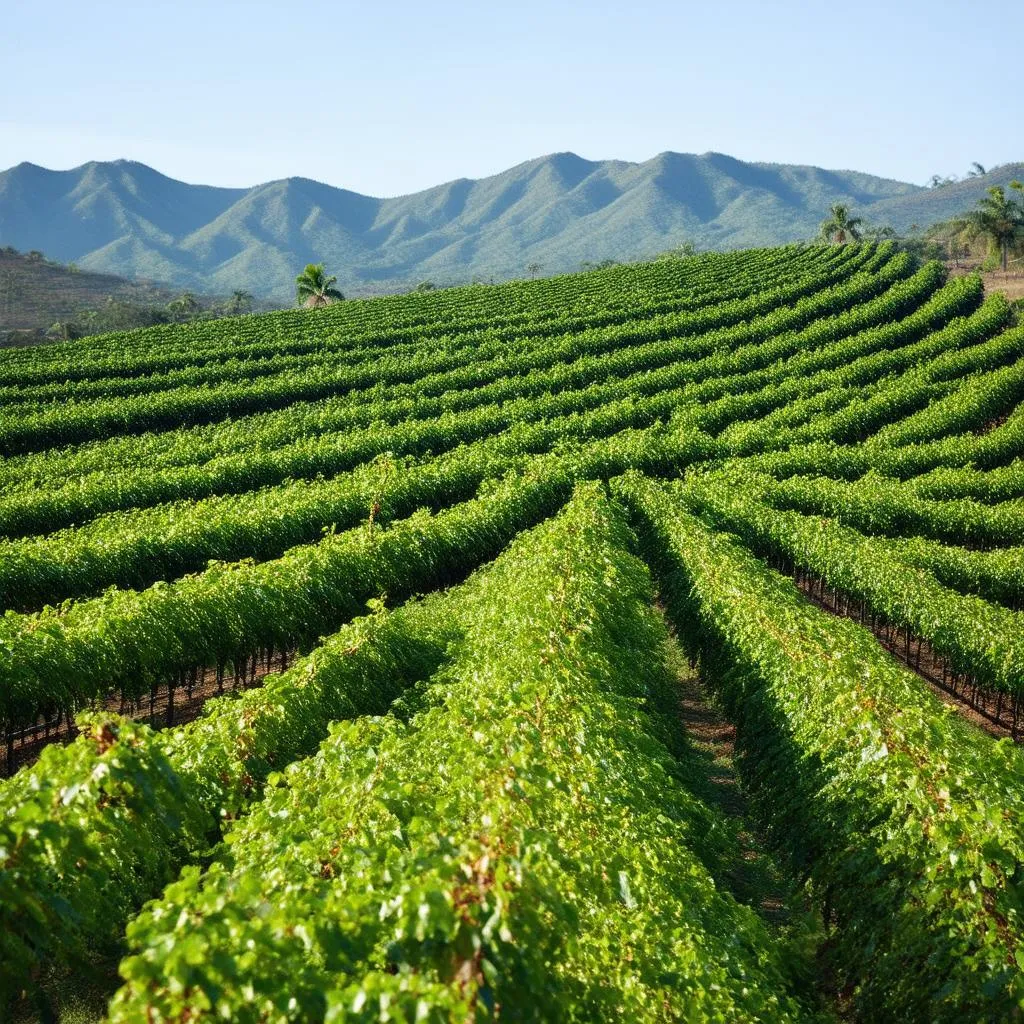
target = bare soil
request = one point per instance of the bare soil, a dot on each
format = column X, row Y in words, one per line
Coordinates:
column 1011, row 284
column 755, row 879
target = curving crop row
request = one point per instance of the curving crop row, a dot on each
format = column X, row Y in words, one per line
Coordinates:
column 657, row 392
column 132, row 549
column 875, row 504
column 95, row 828
column 130, row 641
column 988, row 485
column 524, row 842
column 678, row 361
column 72, row 422
column 905, row 819
column 243, row 363
column 154, row 350
column 979, row 639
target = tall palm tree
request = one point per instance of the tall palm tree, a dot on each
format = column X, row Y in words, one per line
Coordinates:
column 999, row 219
column 313, row 288
column 839, row 226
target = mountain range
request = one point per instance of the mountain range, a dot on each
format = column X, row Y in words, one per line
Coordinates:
column 125, row 218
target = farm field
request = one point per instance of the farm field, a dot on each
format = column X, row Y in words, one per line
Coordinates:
column 351, row 658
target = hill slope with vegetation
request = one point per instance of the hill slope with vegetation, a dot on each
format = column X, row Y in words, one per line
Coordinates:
column 41, row 299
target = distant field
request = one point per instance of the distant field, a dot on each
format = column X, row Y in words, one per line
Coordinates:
column 640, row 644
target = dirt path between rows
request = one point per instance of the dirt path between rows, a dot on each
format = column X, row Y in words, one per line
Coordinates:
column 755, row 878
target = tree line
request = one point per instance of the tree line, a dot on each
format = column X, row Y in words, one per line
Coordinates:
column 997, row 221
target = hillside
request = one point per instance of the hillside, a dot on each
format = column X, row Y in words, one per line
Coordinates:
column 647, row 638
column 558, row 211
column 931, row 205
column 35, row 292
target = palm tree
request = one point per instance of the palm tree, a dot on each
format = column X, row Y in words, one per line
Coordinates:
column 313, row 288
column 241, row 302
column 976, row 171
column 533, row 269
column 999, row 219
column 839, row 226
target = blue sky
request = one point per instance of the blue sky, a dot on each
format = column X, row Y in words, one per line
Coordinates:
column 390, row 97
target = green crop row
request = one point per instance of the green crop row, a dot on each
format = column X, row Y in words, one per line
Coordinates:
column 523, row 847
column 24, row 429
column 979, row 639
column 669, row 363
column 988, row 485
column 640, row 396
column 876, row 504
column 242, row 363
column 458, row 311
column 132, row 640
column 134, row 548
column 95, row 828
column 905, row 820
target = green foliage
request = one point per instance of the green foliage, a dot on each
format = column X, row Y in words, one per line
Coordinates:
column 315, row 379
column 839, row 226
column 974, row 635
column 505, row 804
column 1000, row 219
column 901, row 816
column 685, row 251
column 315, row 289
column 557, row 873
column 96, row 827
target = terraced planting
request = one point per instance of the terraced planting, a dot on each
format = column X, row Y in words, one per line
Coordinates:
column 343, row 654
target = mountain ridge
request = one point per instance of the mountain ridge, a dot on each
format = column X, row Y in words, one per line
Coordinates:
column 127, row 218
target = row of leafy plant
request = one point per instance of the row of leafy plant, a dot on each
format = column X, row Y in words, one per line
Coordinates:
column 667, row 363
column 979, row 639
column 27, row 427
column 130, row 641
column 243, row 362
column 523, row 847
column 95, row 828
column 904, row 819
column 401, row 319
column 641, row 396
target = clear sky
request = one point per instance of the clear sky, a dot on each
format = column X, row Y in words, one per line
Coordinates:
column 389, row 97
